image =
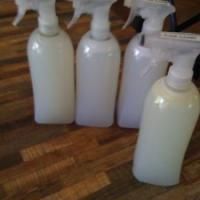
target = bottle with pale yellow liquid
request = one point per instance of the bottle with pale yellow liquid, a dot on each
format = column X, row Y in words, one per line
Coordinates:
column 170, row 113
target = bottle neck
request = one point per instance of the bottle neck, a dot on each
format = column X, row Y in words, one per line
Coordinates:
column 100, row 26
column 48, row 20
column 181, row 73
column 178, row 83
column 48, row 29
column 152, row 26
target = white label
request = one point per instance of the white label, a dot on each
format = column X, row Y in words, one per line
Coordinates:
column 157, row 1
column 180, row 36
column 128, row 3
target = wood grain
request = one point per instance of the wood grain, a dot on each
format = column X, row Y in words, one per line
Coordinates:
column 68, row 162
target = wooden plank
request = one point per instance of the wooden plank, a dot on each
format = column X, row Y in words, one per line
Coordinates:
column 81, row 189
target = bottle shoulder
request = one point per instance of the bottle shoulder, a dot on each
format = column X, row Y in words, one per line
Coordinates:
column 160, row 90
column 135, row 41
column 135, row 48
column 41, row 45
column 61, row 38
column 107, row 45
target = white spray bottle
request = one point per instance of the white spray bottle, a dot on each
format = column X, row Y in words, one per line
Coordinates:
column 98, row 63
column 141, row 69
column 51, row 60
column 171, row 111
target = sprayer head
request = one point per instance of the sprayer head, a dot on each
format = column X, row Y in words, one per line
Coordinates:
column 87, row 7
column 23, row 6
column 181, row 72
column 154, row 13
column 182, row 50
column 48, row 21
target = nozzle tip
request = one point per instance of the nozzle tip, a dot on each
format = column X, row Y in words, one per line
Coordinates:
column 14, row 23
column 73, row 21
column 17, row 20
column 69, row 25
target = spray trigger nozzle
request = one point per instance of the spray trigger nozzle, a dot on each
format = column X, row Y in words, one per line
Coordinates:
column 87, row 7
column 153, row 12
column 130, row 17
column 23, row 6
column 100, row 11
column 74, row 19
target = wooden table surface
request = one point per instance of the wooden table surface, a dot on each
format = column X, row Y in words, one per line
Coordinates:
column 68, row 162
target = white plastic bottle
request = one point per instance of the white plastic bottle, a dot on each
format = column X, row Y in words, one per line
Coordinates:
column 98, row 62
column 51, row 60
column 171, row 111
column 141, row 69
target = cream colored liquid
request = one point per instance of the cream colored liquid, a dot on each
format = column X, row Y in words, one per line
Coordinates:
column 97, row 72
column 168, row 122
column 51, row 62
